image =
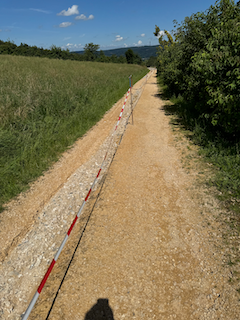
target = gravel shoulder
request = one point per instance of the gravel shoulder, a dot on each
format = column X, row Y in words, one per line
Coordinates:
column 148, row 251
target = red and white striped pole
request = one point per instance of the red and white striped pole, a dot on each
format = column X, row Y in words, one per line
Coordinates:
column 130, row 84
column 39, row 290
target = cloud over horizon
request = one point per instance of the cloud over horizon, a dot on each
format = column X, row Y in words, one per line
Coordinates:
column 72, row 46
column 137, row 44
column 118, row 38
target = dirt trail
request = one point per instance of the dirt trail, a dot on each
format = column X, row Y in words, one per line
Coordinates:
column 146, row 253
column 22, row 213
column 35, row 224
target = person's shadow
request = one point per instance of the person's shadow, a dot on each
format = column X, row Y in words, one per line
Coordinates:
column 100, row 311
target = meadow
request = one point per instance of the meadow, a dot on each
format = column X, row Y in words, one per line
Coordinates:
column 45, row 106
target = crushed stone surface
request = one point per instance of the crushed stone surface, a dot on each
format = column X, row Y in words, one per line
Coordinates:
column 146, row 253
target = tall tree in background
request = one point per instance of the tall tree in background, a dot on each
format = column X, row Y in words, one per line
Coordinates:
column 132, row 58
column 129, row 56
column 90, row 51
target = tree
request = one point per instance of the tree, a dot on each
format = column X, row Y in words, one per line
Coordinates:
column 137, row 59
column 122, row 59
column 132, row 58
column 114, row 58
column 151, row 62
column 90, row 51
column 101, row 57
column 203, row 64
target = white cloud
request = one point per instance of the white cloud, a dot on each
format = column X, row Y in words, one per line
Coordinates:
column 72, row 46
column 83, row 17
column 118, row 38
column 161, row 33
column 40, row 10
column 65, row 24
column 69, row 12
column 137, row 44
column 143, row 35
column 125, row 45
column 67, row 38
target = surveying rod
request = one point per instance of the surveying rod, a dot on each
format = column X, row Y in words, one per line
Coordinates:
column 130, row 84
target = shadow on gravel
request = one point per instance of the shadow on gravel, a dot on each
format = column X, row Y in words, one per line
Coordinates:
column 162, row 96
column 157, row 95
column 100, row 311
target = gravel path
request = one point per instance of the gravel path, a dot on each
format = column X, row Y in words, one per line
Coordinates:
column 146, row 253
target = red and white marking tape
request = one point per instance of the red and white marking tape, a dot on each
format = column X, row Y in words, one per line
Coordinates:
column 34, row 299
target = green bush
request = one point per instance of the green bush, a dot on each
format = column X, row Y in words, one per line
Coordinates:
column 201, row 73
column 203, row 65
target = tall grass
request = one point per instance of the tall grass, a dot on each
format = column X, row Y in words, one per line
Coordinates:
column 45, row 105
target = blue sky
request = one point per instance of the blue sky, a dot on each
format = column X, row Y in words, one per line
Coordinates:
column 109, row 23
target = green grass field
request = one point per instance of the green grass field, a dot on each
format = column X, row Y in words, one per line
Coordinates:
column 45, row 106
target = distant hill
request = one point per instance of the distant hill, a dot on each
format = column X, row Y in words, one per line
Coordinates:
column 145, row 52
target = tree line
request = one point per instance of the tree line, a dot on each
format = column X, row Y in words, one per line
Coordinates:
column 201, row 63
column 91, row 53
